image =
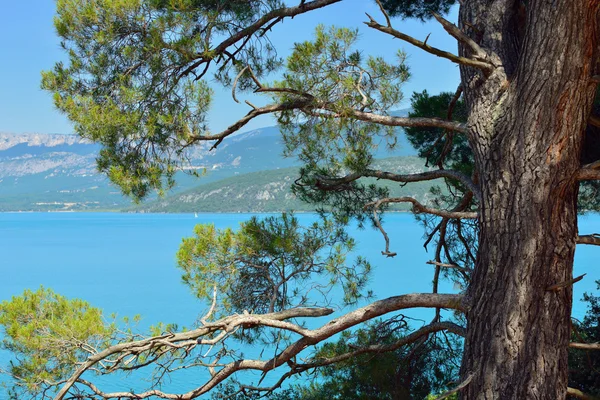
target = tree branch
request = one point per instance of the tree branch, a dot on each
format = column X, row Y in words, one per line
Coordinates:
column 589, row 172
column 190, row 337
column 258, row 111
column 562, row 285
column 593, row 120
column 381, row 348
column 420, row 208
column 593, row 239
column 377, row 349
column 455, row 32
column 331, row 183
column 416, row 206
column 309, row 338
column 307, row 101
column 267, row 19
column 457, row 389
column 485, row 66
column 409, row 122
column 579, row 394
column 585, row 346
column 385, row 14
column 453, row 266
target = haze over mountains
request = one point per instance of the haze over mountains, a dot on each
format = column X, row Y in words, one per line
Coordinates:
column 40, row 172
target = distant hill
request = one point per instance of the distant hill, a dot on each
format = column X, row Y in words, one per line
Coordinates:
column 270, row 191
column 41, row 172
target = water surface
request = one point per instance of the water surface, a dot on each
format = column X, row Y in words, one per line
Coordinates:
column 125, row 263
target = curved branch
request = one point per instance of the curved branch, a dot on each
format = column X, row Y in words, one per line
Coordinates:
column 231, row 129
column 331, row 183
column 420, row 208
column 457, row 389
column 190, row 337
column 235, row 81
column 579, row 394
column 409, row 122
column 381, row 348
column 377, row 349
column 417, row 208
column 310, row 338
column 267, row 19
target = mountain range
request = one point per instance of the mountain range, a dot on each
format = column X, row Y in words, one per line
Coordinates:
column 40, row 172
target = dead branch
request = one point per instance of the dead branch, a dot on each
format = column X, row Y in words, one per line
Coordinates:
column 377, row 222
column 417, row 208
column 190, row 337
column 308, row 338
column 455, row 32
column 457, row 389
column 562, row 285
column 244, row 34
column 484, row 66
column 385, row 14
column 235, row 81
column 446, row 265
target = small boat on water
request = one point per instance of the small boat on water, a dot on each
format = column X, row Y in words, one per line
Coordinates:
column 195, row 215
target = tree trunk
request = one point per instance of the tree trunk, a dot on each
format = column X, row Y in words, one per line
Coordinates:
column 526, row 128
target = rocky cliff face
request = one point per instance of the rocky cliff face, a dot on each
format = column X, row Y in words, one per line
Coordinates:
column 8, row 140
column 41, row 172
column 47, row 172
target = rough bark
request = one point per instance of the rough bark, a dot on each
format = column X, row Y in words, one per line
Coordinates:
column 526, row 127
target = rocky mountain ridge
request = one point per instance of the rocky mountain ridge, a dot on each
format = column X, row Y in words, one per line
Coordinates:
column 55, row 172
column 8, row 140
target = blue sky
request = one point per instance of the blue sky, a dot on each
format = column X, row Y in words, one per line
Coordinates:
column 29, row 45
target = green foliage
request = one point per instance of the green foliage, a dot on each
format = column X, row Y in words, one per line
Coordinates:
column 270, row 264
column 411, row 372
column 130, row 83
column 48, row 334
column 439, row 147
column 421, row 9
column 446, row 150
column 340, row 80
column 337, row 76
column 584, row 366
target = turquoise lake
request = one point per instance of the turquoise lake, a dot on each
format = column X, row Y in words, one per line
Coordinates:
column 125, row 264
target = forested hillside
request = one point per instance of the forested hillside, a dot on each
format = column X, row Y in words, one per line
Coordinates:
column 41, row 172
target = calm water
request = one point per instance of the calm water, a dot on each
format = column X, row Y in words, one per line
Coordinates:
column 125, row 263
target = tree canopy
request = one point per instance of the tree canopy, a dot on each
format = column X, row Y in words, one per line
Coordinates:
column 513, row 151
